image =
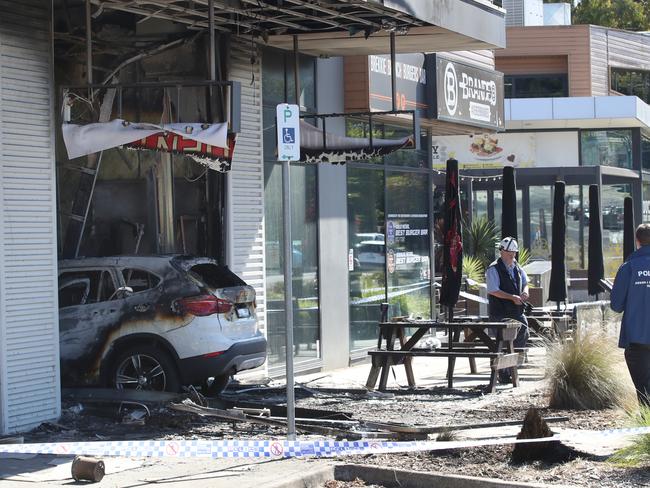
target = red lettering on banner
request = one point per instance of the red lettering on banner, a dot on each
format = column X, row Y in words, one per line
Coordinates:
column 171, row 142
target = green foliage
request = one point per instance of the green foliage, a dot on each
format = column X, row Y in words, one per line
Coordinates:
column 582, row 373
column 473, row 268
column 619, row 14
column 524, row 256
column 638, row 452
column 479, row 240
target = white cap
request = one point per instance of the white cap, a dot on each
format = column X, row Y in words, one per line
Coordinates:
column 509, row 244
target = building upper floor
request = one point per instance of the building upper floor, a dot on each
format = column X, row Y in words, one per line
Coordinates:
column 575, row 61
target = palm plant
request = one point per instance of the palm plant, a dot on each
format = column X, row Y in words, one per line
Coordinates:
column 479, row 238
column 473, row 268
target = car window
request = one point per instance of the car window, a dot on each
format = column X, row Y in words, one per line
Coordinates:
column 102, row 286
column 139, row 279
column 75, row 292
column 214, row 276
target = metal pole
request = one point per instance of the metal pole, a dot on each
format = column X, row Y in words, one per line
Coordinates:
column 393, row 79
column 288, row 269
column 213, row 61
column 89, row 46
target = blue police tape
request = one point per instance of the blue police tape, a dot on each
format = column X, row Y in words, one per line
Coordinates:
column 271, row 448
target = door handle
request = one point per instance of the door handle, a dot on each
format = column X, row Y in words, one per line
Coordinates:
column 142, row 307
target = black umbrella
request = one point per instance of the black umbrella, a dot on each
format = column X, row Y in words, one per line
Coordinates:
column 628, row 228
column 557, row 292
column 509, row 204
column 595, row 264
column 452, row 255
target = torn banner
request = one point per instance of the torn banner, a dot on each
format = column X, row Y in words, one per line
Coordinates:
column 208, row 144
column 340, row 149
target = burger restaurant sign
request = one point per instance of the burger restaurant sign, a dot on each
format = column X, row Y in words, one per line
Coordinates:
column 465, row 94
column 438, row 88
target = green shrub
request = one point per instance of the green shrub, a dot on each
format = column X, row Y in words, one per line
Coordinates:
column 524, row 256
column 584, row 374
column 479, row 239
column 638, row 452
column 473, row 268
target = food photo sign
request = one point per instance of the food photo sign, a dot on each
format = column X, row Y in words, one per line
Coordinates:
column 495, row 150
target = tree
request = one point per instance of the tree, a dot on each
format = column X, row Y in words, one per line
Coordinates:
column 619, row 14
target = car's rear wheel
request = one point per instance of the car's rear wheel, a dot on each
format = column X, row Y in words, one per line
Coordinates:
column 145, row 368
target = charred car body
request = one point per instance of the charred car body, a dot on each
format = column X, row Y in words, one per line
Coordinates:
column 155, row 322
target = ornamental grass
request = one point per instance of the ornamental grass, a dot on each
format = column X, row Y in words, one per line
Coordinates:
column 585, row 372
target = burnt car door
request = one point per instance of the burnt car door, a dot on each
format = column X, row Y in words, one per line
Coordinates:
column 144, row 294
column 88, row 310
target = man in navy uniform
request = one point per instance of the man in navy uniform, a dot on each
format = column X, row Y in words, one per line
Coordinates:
column 631, row 295
column 507, row 287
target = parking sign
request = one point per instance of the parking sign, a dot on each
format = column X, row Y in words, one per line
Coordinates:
column 288, row 123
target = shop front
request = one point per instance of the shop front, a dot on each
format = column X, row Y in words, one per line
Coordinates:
column 393, row 201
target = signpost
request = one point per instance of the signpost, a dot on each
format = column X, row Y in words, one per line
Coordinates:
column 288, row 143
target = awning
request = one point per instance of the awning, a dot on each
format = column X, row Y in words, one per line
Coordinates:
column 208, row 144
column 340, row 149
column 338, row 27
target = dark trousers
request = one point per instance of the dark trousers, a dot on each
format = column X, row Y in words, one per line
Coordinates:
column 637, row 357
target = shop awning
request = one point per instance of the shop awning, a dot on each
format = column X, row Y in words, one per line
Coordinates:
column 339, row 27
column 208, row 144
column 340, row 149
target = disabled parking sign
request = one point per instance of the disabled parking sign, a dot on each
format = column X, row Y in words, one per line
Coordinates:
column 288, row 124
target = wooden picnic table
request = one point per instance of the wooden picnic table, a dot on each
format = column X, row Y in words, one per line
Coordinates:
column 500, row 349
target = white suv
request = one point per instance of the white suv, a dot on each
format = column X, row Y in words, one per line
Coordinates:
column 155, row 323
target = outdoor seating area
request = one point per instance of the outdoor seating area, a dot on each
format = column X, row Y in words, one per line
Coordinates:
column 478, row 344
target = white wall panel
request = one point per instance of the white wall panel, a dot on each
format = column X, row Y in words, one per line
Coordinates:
column 29, row 344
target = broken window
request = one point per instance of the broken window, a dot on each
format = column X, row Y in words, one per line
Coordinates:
column 140, row 280
column 73, row 292
column 102, row 286
column 215, row 276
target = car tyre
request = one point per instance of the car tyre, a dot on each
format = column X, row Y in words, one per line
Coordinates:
column 145, row 368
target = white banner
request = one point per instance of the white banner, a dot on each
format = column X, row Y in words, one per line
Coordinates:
column 81, row 140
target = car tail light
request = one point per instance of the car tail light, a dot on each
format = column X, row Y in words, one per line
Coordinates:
column 202, row 305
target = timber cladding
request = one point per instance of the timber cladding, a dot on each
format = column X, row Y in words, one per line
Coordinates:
column 357, row 96
column 546, row 49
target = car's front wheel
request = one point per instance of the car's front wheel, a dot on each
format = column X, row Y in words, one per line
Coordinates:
column 145, row 368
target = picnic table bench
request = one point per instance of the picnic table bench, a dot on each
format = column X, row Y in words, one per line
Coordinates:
column 500, row 349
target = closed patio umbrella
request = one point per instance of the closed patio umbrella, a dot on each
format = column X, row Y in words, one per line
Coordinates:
column 595, row 263
column 628, row 228
column 452, row 255
column 509, row 204
column 558, row 292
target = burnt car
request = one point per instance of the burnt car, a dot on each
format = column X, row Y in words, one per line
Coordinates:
column 155, row 323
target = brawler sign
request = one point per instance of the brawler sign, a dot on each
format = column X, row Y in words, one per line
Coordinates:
column 466, row 94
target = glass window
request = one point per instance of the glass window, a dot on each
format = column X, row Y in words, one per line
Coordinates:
column 535, row 86
column 74, row 292
column 367, row 276
column 646, row 202
column 606, row 148
column 577, row 227
column 407, row 245
column 140, row 280
column 645, row 152
column 631, row 82
column 101, row 284
column 409, row 157
column 541, row 218
column 612, row 221
column 278, row 86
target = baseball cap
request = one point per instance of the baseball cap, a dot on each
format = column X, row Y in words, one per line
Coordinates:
column 509, row 244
